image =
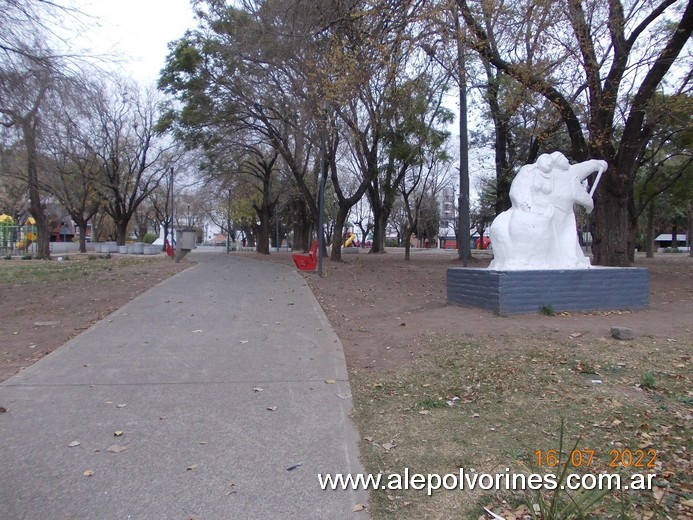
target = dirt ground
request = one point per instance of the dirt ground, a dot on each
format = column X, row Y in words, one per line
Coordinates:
column 50, row 302
column 380, row 305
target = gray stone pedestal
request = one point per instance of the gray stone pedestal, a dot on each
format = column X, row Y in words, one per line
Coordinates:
column 517, row 292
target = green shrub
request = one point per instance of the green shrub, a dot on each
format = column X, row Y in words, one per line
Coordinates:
column 648, row 381
column 547, row 310
column 149, row 238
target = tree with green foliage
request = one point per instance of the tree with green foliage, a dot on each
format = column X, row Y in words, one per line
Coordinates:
column 413, row 141
column 243, row 70
column 602, row 105
column 663, row 180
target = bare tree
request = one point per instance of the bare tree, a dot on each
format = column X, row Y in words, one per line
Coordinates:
column 134, row 158
column 25, row 83
column 71, row 166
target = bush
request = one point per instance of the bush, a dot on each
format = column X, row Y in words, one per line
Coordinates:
column 149, row 238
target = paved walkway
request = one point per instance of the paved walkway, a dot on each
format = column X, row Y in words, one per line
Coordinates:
column 217, row 379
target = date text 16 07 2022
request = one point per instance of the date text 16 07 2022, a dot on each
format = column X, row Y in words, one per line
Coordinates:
column 621, row 458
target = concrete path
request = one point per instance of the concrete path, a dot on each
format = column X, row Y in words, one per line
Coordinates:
column 217, row 379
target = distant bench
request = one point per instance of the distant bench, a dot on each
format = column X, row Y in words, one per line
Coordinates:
column 309, row 261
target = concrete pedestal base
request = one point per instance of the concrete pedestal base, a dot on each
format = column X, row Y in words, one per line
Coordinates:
column 516, row 292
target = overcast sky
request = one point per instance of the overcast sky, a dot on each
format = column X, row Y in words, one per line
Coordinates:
column 136, row 31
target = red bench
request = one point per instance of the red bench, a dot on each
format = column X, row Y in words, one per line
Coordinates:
column 307, row 262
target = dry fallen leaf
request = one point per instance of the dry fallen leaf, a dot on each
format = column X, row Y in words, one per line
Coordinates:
column 88, row 473
column 191, row 467
column 330, row 381
column 388, row 446
column 73, row 444
column 117, row 449
column 272, row 408
column 424, row 412
column 122, row 405
column 358, row 507
column 117, row 433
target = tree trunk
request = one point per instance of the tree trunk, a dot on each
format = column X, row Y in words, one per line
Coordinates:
column 611, row 221
column 379, row 230
column 264, row 213
column 35, row 205
column 122, row 231
column 301, row 225
column 82, row 226
column 674, row 241
column 649, row 233
column 502, row 137
column 408, row 232
column 340, row 220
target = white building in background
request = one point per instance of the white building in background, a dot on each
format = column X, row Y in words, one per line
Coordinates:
column 663, row 241
column 448, row 218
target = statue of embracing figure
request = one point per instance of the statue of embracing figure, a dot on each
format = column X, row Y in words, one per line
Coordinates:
column 539, row 230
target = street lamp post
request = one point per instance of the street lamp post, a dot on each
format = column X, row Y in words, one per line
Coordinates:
column 321, row 195
column 172, row 226
column 228, row 223
column 276, row 225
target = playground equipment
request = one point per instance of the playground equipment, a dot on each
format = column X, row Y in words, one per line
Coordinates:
column 483, row 244
column 15, row 237
column 352, row 237
column 307, row 262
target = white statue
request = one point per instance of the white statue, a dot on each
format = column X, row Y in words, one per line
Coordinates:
column 539, row 230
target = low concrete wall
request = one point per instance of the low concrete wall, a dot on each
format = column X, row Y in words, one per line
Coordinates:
column 67, row 247
column 517, row 292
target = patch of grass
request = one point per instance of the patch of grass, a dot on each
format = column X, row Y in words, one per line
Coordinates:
column 648, row 381
column 107, row 256
column 49, row 272
column 512, row 393
column 430, row 403
column 547, row 310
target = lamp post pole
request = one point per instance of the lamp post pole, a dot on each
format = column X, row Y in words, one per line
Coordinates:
column 228, row 223
column 321, row 195
column 173, row 240
column 276, row 225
